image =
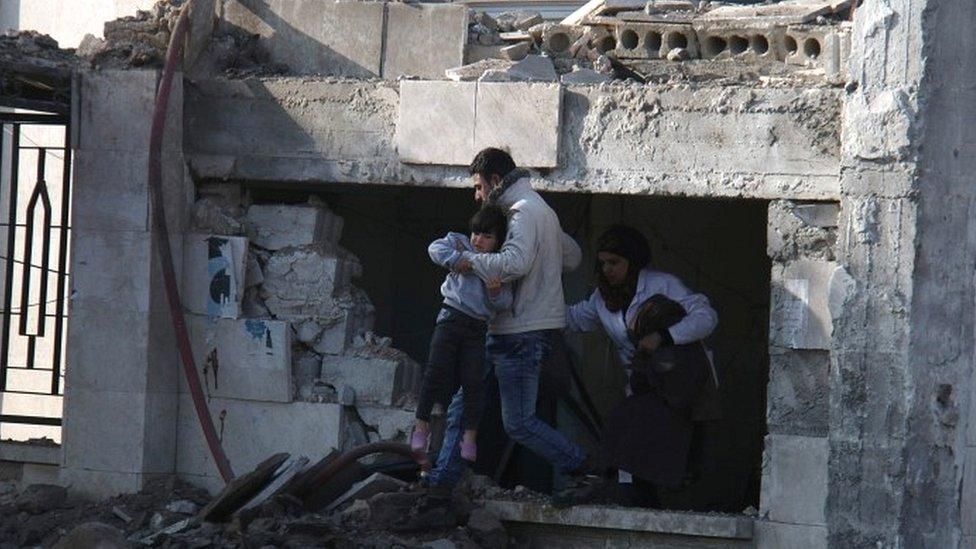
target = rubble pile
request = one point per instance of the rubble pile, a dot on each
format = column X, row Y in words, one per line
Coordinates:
column 293, row 271
column 607, row 39
column 252, row 511
column 33, row 48
column 133, row 41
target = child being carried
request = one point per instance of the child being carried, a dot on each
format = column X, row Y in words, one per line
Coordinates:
column 457, row 347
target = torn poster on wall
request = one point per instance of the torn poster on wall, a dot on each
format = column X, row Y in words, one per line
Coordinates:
column 213, row 274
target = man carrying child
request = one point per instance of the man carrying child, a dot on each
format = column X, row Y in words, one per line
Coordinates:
column 532, row 259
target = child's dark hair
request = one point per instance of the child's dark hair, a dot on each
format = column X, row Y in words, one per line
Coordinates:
column 492, row 161
column 490, row 220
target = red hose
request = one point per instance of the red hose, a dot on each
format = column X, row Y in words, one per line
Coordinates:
column 346, row 459
column 161, row 232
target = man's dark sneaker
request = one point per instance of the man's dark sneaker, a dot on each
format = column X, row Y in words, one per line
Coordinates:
column 583, row 489
column 433, row 514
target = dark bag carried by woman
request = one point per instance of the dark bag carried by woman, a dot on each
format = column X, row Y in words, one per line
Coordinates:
column 649, row 433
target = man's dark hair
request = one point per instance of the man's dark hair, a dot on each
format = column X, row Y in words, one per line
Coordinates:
column 492, row 161
column 490, row 220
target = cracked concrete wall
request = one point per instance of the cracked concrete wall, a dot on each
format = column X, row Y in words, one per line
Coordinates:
column 901, row 365
column 738, row 141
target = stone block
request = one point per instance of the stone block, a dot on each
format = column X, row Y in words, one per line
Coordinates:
column 277, row 226
column 776, row 535
column 375, row 380
column 473, row 116
column 110, row 270
column 531, row 132
column 390, row 423
column 312, row 37
column 447, row 106
column 116, row 111
column 424, row 39
column 301, row 283
column 797, row 394
column 794, row 479
column 517, row 51
column 253, row 431
column 95, row 435
column 967, row 507
column 213, row 276
column 800, row 315
column 98, row 361
column 245, row 359
column 109, row 190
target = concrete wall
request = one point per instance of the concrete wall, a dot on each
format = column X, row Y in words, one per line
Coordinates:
column 902, row 354
column 120, row 406
column 62, row 20
column 705, row 141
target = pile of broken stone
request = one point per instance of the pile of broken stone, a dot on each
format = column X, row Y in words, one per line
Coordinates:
column 293, row 269
column 349, row 512
column 620, row 39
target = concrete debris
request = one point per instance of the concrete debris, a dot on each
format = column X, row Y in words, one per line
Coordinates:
column 678, row 54
column 584, row 76
column 33, row 48
column 474, row 71
column 93, row 535
column 210, row 216
column 487, row 530
column 516, row 52
column 182, row 507
column 533, row 68
column 135, row 41
column 347, row 395
column 39, row 498
column 525, row 21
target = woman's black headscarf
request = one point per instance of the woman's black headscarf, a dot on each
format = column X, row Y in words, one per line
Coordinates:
column 631, row 245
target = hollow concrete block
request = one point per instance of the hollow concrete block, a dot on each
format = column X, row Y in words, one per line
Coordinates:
column 654, row 40
column 742, row 42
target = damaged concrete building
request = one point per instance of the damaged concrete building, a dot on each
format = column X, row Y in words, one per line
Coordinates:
column 806, row 164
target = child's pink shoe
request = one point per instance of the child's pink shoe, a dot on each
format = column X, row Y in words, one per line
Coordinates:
column 469, row 451
column 418, row 442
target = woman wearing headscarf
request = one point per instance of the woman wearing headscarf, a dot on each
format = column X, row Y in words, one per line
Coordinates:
column 657, row 326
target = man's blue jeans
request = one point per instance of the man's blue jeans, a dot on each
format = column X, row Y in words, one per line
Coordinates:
column 517, row 359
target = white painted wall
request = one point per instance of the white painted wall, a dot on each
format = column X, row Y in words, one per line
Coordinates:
column 67, row 21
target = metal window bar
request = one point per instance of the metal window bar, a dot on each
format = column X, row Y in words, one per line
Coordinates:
column 36, row 226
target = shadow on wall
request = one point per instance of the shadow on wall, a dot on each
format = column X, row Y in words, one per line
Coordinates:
column 298, row 33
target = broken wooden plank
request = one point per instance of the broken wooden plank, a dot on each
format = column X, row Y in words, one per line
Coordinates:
column 241, row 489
